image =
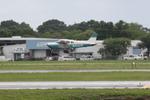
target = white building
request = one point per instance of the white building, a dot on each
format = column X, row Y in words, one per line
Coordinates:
column 24, row 48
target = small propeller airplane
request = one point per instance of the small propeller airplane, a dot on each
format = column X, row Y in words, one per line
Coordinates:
column 73, row 44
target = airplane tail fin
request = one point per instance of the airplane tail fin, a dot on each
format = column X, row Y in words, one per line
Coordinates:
column 93, row 38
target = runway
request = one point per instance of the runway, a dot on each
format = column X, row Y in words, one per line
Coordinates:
column 84, row 70
column 74, row 85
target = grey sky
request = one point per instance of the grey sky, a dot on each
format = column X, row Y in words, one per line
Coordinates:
column 35, row 12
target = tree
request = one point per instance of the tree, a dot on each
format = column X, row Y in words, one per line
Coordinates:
column 26, row 30
column 146, row 42
column 137, row 30
column 121, row 29
column 5, row 32
column 11, row 28
column 115, row 47
column 83, row 26
column 105, row 30
column 82, row 35
column 52, row 26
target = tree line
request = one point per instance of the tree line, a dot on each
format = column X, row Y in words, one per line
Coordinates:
column 58, row 29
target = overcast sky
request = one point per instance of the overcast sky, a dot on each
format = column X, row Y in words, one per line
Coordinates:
column 34, row 12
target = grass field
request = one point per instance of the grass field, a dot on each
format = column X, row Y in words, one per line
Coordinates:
column 75, row 94
column 53, row 65
column 62, row 76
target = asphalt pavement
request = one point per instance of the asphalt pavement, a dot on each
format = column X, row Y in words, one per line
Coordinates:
column 74, row 85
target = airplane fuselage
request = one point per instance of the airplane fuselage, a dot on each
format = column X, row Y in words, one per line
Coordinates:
column 70, row 44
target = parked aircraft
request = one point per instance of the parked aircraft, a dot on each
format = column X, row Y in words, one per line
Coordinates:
column 72, row 44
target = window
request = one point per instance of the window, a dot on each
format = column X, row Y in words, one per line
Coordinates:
column 136, row 51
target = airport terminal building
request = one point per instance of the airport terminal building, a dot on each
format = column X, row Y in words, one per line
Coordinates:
column 16, row 48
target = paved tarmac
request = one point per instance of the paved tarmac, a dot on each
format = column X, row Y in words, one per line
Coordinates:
column 74, row 85
column 89, row 70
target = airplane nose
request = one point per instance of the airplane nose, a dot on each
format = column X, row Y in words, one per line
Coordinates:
column 53, row 45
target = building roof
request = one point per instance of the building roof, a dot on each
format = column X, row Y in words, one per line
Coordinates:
column 23, row 38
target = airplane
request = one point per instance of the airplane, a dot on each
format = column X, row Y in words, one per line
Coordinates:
column 73, row 44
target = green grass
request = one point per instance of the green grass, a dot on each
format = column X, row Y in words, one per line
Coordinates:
column 75, row 94
column 71, row 76
column 53, row 65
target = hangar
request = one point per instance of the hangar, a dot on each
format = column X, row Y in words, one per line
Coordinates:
column 17, row 47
